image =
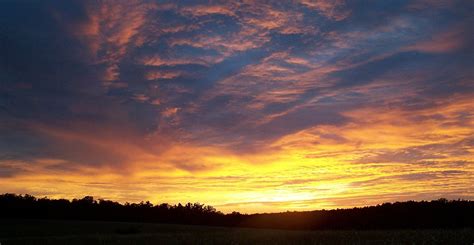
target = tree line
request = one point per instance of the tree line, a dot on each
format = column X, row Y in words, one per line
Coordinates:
column 438, row 214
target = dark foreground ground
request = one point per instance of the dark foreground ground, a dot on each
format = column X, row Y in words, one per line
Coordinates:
column 92, row 232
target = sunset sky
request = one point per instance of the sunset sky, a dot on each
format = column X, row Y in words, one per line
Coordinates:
column 250, row 106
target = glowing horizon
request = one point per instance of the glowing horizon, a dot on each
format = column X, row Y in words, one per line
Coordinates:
column 249, row 106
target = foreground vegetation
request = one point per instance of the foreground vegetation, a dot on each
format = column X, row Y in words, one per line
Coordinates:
column 52, row 232
column 437, row 214
column 25, row 219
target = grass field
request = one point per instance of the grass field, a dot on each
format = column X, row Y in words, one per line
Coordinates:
column 85, row 232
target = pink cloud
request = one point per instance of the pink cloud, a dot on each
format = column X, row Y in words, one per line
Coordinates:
column 140, row 97
column 256, row 21
column 109, row 30
column 424, row 4
column 157, row 60
column 155, row 75
column 169, row 112
column 201, row 10
column 441, row 42
column 331, row 9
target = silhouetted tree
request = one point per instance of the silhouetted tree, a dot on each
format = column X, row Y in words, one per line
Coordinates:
column 441, row 213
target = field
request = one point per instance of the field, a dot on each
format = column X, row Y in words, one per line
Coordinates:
column 88, row 232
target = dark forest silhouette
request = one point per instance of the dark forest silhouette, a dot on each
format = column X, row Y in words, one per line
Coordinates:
column 440, row 213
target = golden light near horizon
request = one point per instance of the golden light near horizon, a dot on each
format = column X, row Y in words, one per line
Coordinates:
column 250, row 107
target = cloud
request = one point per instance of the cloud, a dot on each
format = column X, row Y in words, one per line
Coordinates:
column 331, row 9
column 202, row 10
column 238, row 105
column 159, row 61
column 423, row 153
column 444, row 42
column 155, row 75
column 117, row 30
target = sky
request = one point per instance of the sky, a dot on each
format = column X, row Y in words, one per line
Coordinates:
column 250, row 106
